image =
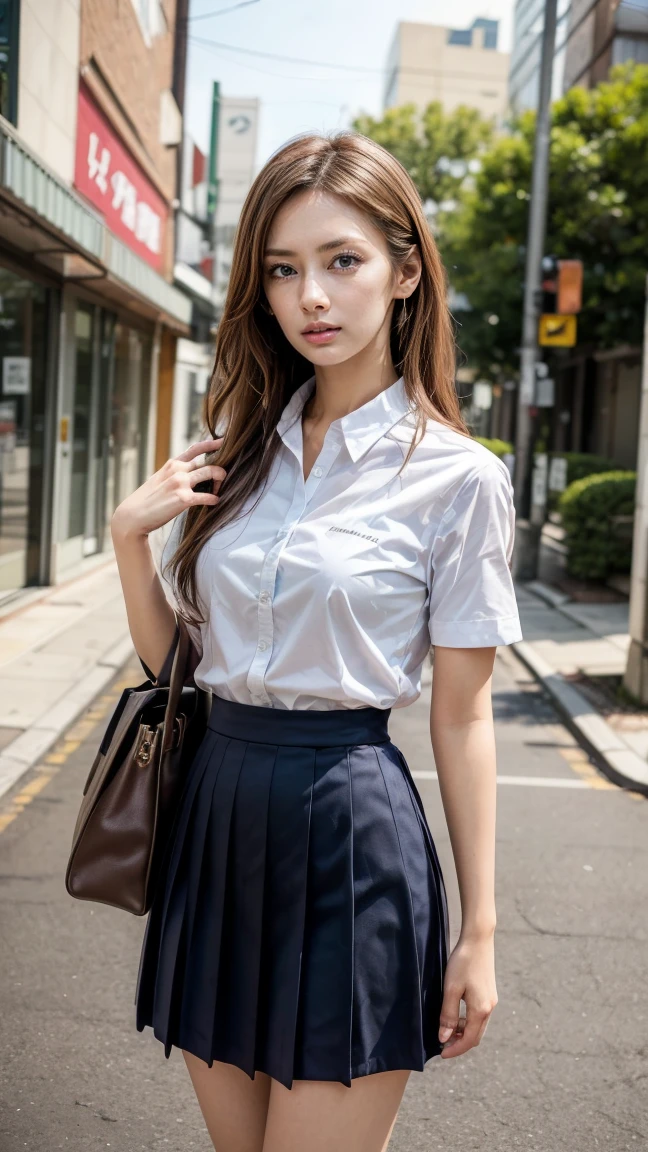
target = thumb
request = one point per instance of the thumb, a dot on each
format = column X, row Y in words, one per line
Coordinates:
column 449, row 1016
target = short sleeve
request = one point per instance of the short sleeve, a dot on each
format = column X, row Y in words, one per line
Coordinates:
column 472, row 597
column 163, row 543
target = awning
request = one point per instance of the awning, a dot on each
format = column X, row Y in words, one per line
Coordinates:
column 41, row 216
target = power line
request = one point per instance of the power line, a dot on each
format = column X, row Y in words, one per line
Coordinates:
column 221, row 11
column 282, row 59
column 346, row 68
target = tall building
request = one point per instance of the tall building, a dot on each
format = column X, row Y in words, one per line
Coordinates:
column 90, row 127
column 601, row 35
column 428, row 62
column 236, row 157
column 590, row 39
column 524, row 74
column 194, row 273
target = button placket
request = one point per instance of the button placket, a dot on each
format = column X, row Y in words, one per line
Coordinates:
column 265, row 634
column 330, row 449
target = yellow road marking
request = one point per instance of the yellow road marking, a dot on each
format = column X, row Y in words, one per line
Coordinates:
column 580, row 762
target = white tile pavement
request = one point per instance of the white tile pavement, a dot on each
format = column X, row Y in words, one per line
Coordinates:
column 56, row 655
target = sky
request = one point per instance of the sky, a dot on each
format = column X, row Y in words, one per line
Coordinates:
column 350, row 37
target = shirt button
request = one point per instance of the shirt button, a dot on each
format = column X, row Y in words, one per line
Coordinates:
column 264, row 597
column 262, row 645
column 317, row 471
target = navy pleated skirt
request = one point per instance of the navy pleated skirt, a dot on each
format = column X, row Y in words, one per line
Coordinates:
column 300, row 927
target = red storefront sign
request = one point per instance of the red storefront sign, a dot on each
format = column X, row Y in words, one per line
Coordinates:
column 106, row 173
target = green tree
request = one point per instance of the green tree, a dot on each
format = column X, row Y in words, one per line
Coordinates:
column 435, row 146
column 598, row 212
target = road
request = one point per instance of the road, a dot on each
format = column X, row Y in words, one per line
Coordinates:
column 563, row 1064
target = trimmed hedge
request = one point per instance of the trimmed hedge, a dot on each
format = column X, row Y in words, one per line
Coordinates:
column 597, row 543
column 579, row 465
column 499, row 447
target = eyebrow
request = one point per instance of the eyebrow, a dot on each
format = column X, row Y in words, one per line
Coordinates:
column 322, row 248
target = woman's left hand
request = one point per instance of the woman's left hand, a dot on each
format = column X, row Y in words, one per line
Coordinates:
column 470, row 976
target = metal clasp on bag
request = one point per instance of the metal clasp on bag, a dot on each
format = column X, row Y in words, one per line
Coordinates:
column 143, row 754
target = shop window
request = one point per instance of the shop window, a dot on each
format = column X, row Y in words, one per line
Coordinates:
column 9, row 25
column 23, row 365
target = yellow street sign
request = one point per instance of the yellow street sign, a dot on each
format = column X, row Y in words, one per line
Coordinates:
column 557, row 331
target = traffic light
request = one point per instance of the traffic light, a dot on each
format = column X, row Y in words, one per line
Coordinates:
column 562, row 285
column 562, row 293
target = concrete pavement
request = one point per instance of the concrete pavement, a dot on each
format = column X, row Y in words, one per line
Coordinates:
column 57, row 653
column 563, row 638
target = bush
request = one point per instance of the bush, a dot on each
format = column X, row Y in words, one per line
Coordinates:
column 579, row 465
column 598, row 533
column 499, row 447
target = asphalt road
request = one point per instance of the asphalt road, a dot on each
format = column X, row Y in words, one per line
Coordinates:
column 564, row 1062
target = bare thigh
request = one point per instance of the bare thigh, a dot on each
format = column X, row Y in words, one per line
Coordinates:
column 234, row 1107
column 319, row 1116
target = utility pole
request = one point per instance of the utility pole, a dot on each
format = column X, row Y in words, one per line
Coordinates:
column 636, row 673
column 212, row 188
column 528, row 517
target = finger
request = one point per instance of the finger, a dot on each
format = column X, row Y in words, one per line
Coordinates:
column 469, row 1036
column 206, row 472
column 202, row 446
column 449, row 1015
column 202, row 498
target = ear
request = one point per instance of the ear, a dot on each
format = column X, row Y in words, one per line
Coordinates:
column 409, row 274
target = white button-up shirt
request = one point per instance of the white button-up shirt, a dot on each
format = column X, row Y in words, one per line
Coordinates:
column 329, row 591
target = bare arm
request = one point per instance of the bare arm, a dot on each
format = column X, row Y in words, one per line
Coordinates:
column 150, row 616
column 165, row 494
column 463, row 741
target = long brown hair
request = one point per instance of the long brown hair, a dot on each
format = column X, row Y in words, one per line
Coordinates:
column 257, row 370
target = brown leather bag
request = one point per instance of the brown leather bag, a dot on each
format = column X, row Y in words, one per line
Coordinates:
column 130, row 796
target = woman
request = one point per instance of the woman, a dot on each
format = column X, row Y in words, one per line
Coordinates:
column 297, row 947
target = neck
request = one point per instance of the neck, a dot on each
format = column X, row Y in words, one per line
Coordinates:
column 342, row 388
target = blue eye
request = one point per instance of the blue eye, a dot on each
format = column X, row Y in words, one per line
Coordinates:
column 274, row 268
column 351, row 256
column 348, row 256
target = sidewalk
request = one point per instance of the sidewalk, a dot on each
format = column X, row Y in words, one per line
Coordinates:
column 564, row 639
column 57, row 653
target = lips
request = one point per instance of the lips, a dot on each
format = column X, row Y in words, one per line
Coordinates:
column 321, row 335
column 314, row 331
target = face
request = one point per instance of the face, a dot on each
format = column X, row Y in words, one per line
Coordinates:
column 327, row 266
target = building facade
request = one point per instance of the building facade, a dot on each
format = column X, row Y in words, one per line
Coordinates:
column 601, row 35
column 590, row 39
column 427, row 62
column 90, row 129
column 524, row 73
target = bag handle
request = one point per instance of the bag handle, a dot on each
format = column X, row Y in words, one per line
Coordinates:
column 176, row 682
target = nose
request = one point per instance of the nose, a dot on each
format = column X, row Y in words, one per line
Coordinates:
column 313, row 295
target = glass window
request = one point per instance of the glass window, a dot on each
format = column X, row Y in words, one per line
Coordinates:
column 9, row 21
column 130, row 409
column 23, row 362
column 82, row 419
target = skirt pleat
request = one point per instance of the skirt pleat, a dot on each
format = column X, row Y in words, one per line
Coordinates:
column 324, row 1047
column 201, row 989
column 236, row 1037
column 300, row 924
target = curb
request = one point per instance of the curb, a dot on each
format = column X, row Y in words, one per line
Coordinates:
column 27, row 749
column 620, row 763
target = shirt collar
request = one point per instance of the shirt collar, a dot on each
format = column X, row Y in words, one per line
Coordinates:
column 360, row 428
